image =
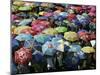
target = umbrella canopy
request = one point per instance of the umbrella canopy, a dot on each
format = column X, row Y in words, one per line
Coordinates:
column 23, row 56
column 74, row 48
column 28, row 31
column 15, row 43
column 88, row 49
column 48, row 49
column 24, row 37
column 25, row 22
column 37, row 56
column 25, row 8
column 18, row 29
column 42, row 38
column 18, row 3
column 61, row 29
column 29, row 43
column 50, row 31
column 58, row 44
column 71, row 36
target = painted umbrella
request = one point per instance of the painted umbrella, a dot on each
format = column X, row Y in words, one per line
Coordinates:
column 25, row 22
column 18, row 29
column 58, row 44
column 42, row 38
column 23, row 56
column 74, row 48
column 50, row 31
column 61, row 29
column 88, row 49
column 25, row 8
column 37, row 57
column 24, row 37
column 71, row 36
column 48, row 49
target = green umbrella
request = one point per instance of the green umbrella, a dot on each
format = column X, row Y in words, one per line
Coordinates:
column 61, row 29
column 25, row 8
column 50, row 31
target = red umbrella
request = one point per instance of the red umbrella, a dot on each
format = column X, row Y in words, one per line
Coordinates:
column 71, row 17
column 23, row 56
column 39, row 25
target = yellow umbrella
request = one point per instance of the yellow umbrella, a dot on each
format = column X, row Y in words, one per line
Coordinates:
column 50, row 31
column 18, row 3
column 12, row 28
column 41, row 13
column 88, row 49
column 18, row 30
column 71, row 36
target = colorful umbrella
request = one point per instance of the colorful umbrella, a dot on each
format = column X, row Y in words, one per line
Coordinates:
column 23, row 56
column 18, row 3
column 48, row 49
column 88, row 49
column 61, row 29
column 29, row 44
column 18, row 29
column 74, row 48
column 24, row 37
column 58, row 44
column 15, row 43
column 50, row 31
column 37, row 56
column 71, row 36
column 25, row 8
column 42, row 38
column 25, row 22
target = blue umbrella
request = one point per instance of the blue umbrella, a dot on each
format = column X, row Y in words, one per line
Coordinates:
column 15, row 43
column 42, row 38
column 48, row 49
column 81, row 54
column 63, row 14
column 29, row 43
column 24, row 37
column 25, row 22
column 37, row 56
column 43, row 18
column 74, row 48
column 13, row 69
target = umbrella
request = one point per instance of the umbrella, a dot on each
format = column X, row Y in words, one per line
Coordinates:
column 48, row 49
column 58, row 44
column 14, row 8
column 25, row 22
column 42, row 38
column 48, row 14
column 63, row 14
column 61, row 29
column 50, row 31
column 28, row 31
column 18, row 29
column 24, row 37
column 18, row 3
column 71, row 36
column 23, row 56
column 37, row 56
column 74, row 48
column 25, row 8
column 41, row 13
column 88, row 49
column 29, row 43
column 15, row 43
